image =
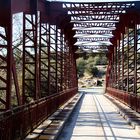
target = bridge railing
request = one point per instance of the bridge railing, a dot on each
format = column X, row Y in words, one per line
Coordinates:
column 123, row 73
column 17, row 123
column 130, row 100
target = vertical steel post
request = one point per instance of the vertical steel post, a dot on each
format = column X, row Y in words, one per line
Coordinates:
column 118, row 63
column 9, row 58
column 23, row 63
column 135, row 58
column 115, row 65
column 127, row 32
column 39, row 67
column 56, row 58
column 49, row 37
column 61, row 65
column 122, row 38
column 43, row 59
column 30, row 58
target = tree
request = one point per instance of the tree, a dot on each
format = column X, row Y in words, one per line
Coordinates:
column 100, row 60
column 92, row 70
column 81, row 63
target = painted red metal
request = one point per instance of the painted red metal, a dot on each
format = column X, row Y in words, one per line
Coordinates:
column 49, row 76
column 38, row 14
column 30, row 58
column 27, row 117
column 125, row 87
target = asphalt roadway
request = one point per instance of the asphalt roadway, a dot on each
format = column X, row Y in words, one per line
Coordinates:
column 95, row 118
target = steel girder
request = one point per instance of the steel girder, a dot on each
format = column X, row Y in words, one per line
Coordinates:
column 48, row 65
column 48, row 31
column 87, row 17
column 45, row 53
column 124, row 62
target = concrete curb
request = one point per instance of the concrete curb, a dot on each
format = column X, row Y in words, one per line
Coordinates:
column 132, row 117
column 40, row 132
column 68, row 115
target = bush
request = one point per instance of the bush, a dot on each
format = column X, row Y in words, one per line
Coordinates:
column 89, row 65
column 90, row 60
column 81, row 63
column 92, row 70
column 100, row 60
column 99, row 83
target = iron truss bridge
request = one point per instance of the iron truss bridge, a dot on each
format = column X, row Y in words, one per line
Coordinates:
column 38, row 68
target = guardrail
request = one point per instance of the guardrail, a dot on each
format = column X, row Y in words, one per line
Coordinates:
column 129, row 99
column 17, row 123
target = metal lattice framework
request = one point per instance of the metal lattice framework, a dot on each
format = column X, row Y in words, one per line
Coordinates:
column 94, row 22
column 123, row 81
column 39, row 75
column 44, row 54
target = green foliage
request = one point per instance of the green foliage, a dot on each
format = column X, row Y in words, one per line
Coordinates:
column 92, row 70
column 89, row 64
column 100, row 60
column 81, row 63
column 90, row 60
column 97, row 59
column 99, row 83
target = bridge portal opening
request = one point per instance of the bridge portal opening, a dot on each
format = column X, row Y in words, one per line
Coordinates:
column 94, row 27
column 91, row 69
column 40, row 75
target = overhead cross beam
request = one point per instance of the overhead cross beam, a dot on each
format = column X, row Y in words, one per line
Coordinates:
column 94, row 24
column 96, row 21
column 95, row 17
column 92, row 39
column 94, row 47
column 94, row 32
column 48, row 61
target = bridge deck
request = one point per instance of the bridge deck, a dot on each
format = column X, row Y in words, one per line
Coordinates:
column 95, row 117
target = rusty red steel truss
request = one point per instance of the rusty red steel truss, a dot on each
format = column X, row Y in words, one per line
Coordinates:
column 124, row 61
column 40, row 75
column 47, row 56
